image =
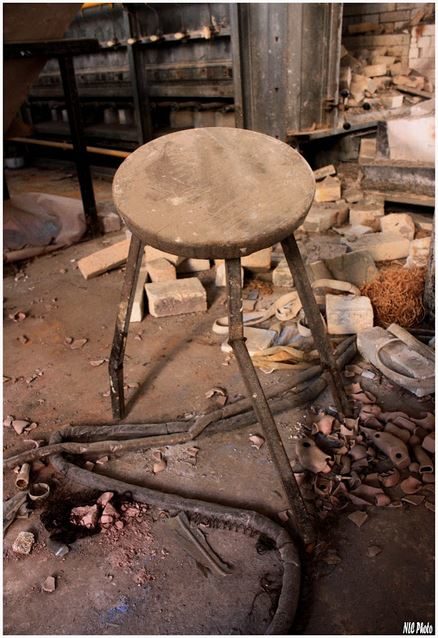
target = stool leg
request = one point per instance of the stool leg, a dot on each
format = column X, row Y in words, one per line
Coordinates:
column 133, row 264
column 316, row 325
column 260, row 404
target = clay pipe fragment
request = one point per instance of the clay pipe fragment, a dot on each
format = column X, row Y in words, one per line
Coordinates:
column 311, row 457
column 393, row 447
column 404, row 435
column 22, row 480
column 429, row 443
column 424, row 460
column 427, row 421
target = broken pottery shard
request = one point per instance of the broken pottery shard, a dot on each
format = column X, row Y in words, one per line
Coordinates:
column 97, row 362
column 49, row 584
column 102, row 460
column 325, row 424
column 86, row 516
column 18, row 316
column 393, row 447
column 430, row 506
column 358, row 518
column 78, row 343
column 373, row 551
column 23, row 543
column 424, row 460
column 348, row 314
column 429, row 443
column 256, row 441
column 411, row 485
column 390, row 479
column 413, row 499
column 160, row 464
column 20, row 425
column 400, row 433
column 427, row 421
column 105, row 498
column 311, row 457
column 358, row 452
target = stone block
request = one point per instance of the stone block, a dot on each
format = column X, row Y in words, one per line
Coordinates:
column 399, row 68
column 318, row 270
column 392, row 101
column 324, row 171
column 154, row 253
column 204, row 118
column 381, row 246
column 281, row 275
column 322, row 217
column 137, row 313
column 194, row 265
column 368, row 148
column 227, row 118
column 395, row 16
column 418, row 253
column 260, row 261
column 161, row 270
column 357, row 267
column 364, row 27
column 401, row 223
column 367, row 213
column 221, row 279
column 328, row 190
column 178, row 297
column 104, row 260
column 374, row 70
column 348, row 314
column 383, row 59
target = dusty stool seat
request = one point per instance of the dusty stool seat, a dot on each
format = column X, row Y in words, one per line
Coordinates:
column 213, row 193
column 216, row 193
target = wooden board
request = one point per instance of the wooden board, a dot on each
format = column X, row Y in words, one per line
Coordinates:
column 213, row 192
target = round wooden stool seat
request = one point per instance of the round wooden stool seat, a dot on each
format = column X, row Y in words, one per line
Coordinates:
column 213, row 193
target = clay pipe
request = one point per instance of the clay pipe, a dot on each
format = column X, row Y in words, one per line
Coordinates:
column 403, row 435
column 311, row 457
column 393, row 447
column 424, row 460
column 22, row 480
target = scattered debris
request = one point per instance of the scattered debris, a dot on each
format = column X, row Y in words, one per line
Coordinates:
column 98, row 362
column 18, row 316
column 86, row 516
column 373, row 551
column 24, row 543
column 75, row 344
column 160, row 463
column 219, row 393
column 256, row 441
column 358, row 518
column 49, row 584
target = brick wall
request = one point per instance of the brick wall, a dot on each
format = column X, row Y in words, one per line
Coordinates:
column 401, row 29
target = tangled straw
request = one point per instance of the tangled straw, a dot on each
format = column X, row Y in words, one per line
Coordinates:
column 396, row 294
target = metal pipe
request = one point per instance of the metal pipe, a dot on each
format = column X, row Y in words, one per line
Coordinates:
column 66, row 146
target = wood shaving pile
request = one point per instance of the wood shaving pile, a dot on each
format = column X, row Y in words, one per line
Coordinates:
column 397, row 296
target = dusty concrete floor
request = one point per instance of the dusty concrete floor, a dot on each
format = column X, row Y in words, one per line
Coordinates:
column 176, row 361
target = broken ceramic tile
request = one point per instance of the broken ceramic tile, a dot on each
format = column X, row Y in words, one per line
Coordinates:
column 393, row 447
column 20, row 425
column 75, row 344
column 390, row 479
column 411, row 485
column 325, row 424
column 358, row 518
column 256, row 441
column 311, row 457
column 160, row 464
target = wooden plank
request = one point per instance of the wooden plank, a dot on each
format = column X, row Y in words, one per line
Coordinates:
column 104, row 260
column 407, row 89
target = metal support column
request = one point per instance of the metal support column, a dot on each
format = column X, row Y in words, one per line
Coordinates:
column 138, row 79
column 300, row 517
column 78, row 141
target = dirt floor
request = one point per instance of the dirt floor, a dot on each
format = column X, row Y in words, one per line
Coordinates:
column 143, row 580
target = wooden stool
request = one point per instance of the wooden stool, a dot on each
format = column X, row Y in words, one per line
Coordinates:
column 220, row 193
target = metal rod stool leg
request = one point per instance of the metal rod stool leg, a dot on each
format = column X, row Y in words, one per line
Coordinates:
column 316, row 325
column 263, row 413
column 133, row 264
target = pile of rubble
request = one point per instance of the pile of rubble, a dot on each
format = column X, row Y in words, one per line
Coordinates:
column 376, row 81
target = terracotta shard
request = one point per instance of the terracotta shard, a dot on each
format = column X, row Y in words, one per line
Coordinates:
column 430, row 506
column 393, row 447
column 424, row 460
column 414, row 467
column 373, row 551
column 353, row 388
column 20, row 425
column 428, row 478
column 372, row 495
column 86, row 516
column 364, row 397
column 352, row 424
column 105, row 498
column 411, row 485
column 400, row 433
column 390, row 416
column 358, row 518
column 414, row 440
column 325, row 424
column 311, row 457
column 420, row 432
column 429, row 443
column 358, row 452
column 427, row 421
column 49, row 584
column 404, row 423
column 352, row 370
column 413, row 499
